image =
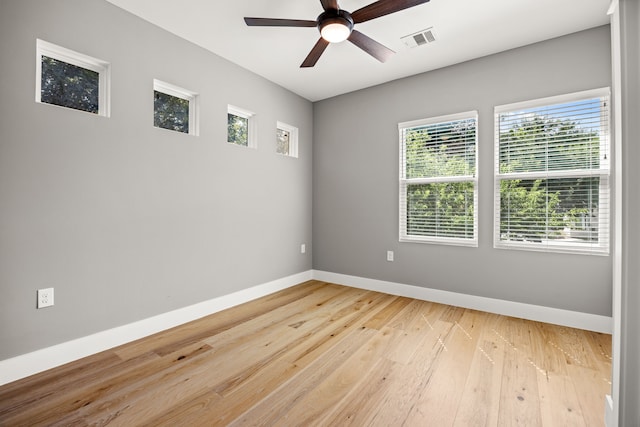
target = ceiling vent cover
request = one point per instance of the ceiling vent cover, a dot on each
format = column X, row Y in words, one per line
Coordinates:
column 420, row 38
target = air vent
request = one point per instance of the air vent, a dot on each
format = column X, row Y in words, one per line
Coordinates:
column 420, row 38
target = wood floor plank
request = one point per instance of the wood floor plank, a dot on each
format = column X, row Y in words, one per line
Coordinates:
column 412, row 322
column 245, row 312
column 559, row 404
column 322, row 354
column 44, row 386
column 480, row 401
column 439, row 403
column 590, row 386
column 367, row 398
column 320, row 401
column 274, row 408
column 120, row 399
column 69, row 398
column 519, row 396
column 390, row 311
column 413, row 380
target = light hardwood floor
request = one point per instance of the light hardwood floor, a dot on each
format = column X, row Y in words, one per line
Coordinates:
column 324, row 354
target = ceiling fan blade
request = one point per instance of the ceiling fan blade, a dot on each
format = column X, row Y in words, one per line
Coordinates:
column 383, row 7
column 268, row 22
column 329, row 4
column 315, row 53
column 369, row 45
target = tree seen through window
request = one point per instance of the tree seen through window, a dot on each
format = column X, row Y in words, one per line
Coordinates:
column 237, row 129
column 170, row 112
column 69, row 85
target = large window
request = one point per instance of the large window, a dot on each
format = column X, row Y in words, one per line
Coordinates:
column 438, row 180
column 70, row 79
column 175, row 108
column 552, row 174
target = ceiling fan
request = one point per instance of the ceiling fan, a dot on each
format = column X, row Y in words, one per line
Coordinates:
column 336, row 25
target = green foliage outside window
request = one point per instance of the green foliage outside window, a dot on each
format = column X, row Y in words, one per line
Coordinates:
column 441, row 150
column 237, row 130
column 569, row 145
column 69, row 85
column 441, row 210
column 533, row 210
column 170, row 112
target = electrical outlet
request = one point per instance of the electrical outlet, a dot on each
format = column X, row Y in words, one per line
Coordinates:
column 389, row 255
column 45, row 297
column 303, row 248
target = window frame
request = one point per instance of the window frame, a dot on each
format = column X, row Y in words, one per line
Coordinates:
column 59, row 53
column 293, row 139
column 404, row 182
column 602, row 247
column 190, row 96
column 252, row 128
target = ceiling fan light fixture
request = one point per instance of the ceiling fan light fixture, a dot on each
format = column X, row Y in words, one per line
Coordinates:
column 335, row 26
column 335, row 32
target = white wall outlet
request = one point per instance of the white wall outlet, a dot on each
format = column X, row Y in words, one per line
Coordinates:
column 389, row 255
column 45, row 297
column 303, row 248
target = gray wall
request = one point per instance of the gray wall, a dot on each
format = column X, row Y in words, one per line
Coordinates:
column 630, row 315
column 125, row 220
column 356, row 171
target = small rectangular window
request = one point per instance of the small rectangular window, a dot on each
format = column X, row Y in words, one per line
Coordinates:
column 241, row 127
column 72, row 80
column 438, row 180
column 286, row 139
column 174, row 108
column 552, row 174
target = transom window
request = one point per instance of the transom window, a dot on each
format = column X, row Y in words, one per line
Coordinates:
column 70, row 79
column 174, row 108
column 241, row 127
column 438, row 180
column 286, row 139
column 552, row 174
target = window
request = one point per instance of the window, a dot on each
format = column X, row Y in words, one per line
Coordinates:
column 174, row 108
column 241, row 127
column 552, row 174
column 438, row 180
column 70, row 79
column 286, row 139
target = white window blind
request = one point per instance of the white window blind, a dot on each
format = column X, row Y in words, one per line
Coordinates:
column 438, row 180
column 552, row 174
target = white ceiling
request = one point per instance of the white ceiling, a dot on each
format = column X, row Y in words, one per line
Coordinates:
column 465, row 29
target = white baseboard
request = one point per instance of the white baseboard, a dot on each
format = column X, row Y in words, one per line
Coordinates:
column 31, row 363
column 573, row 319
